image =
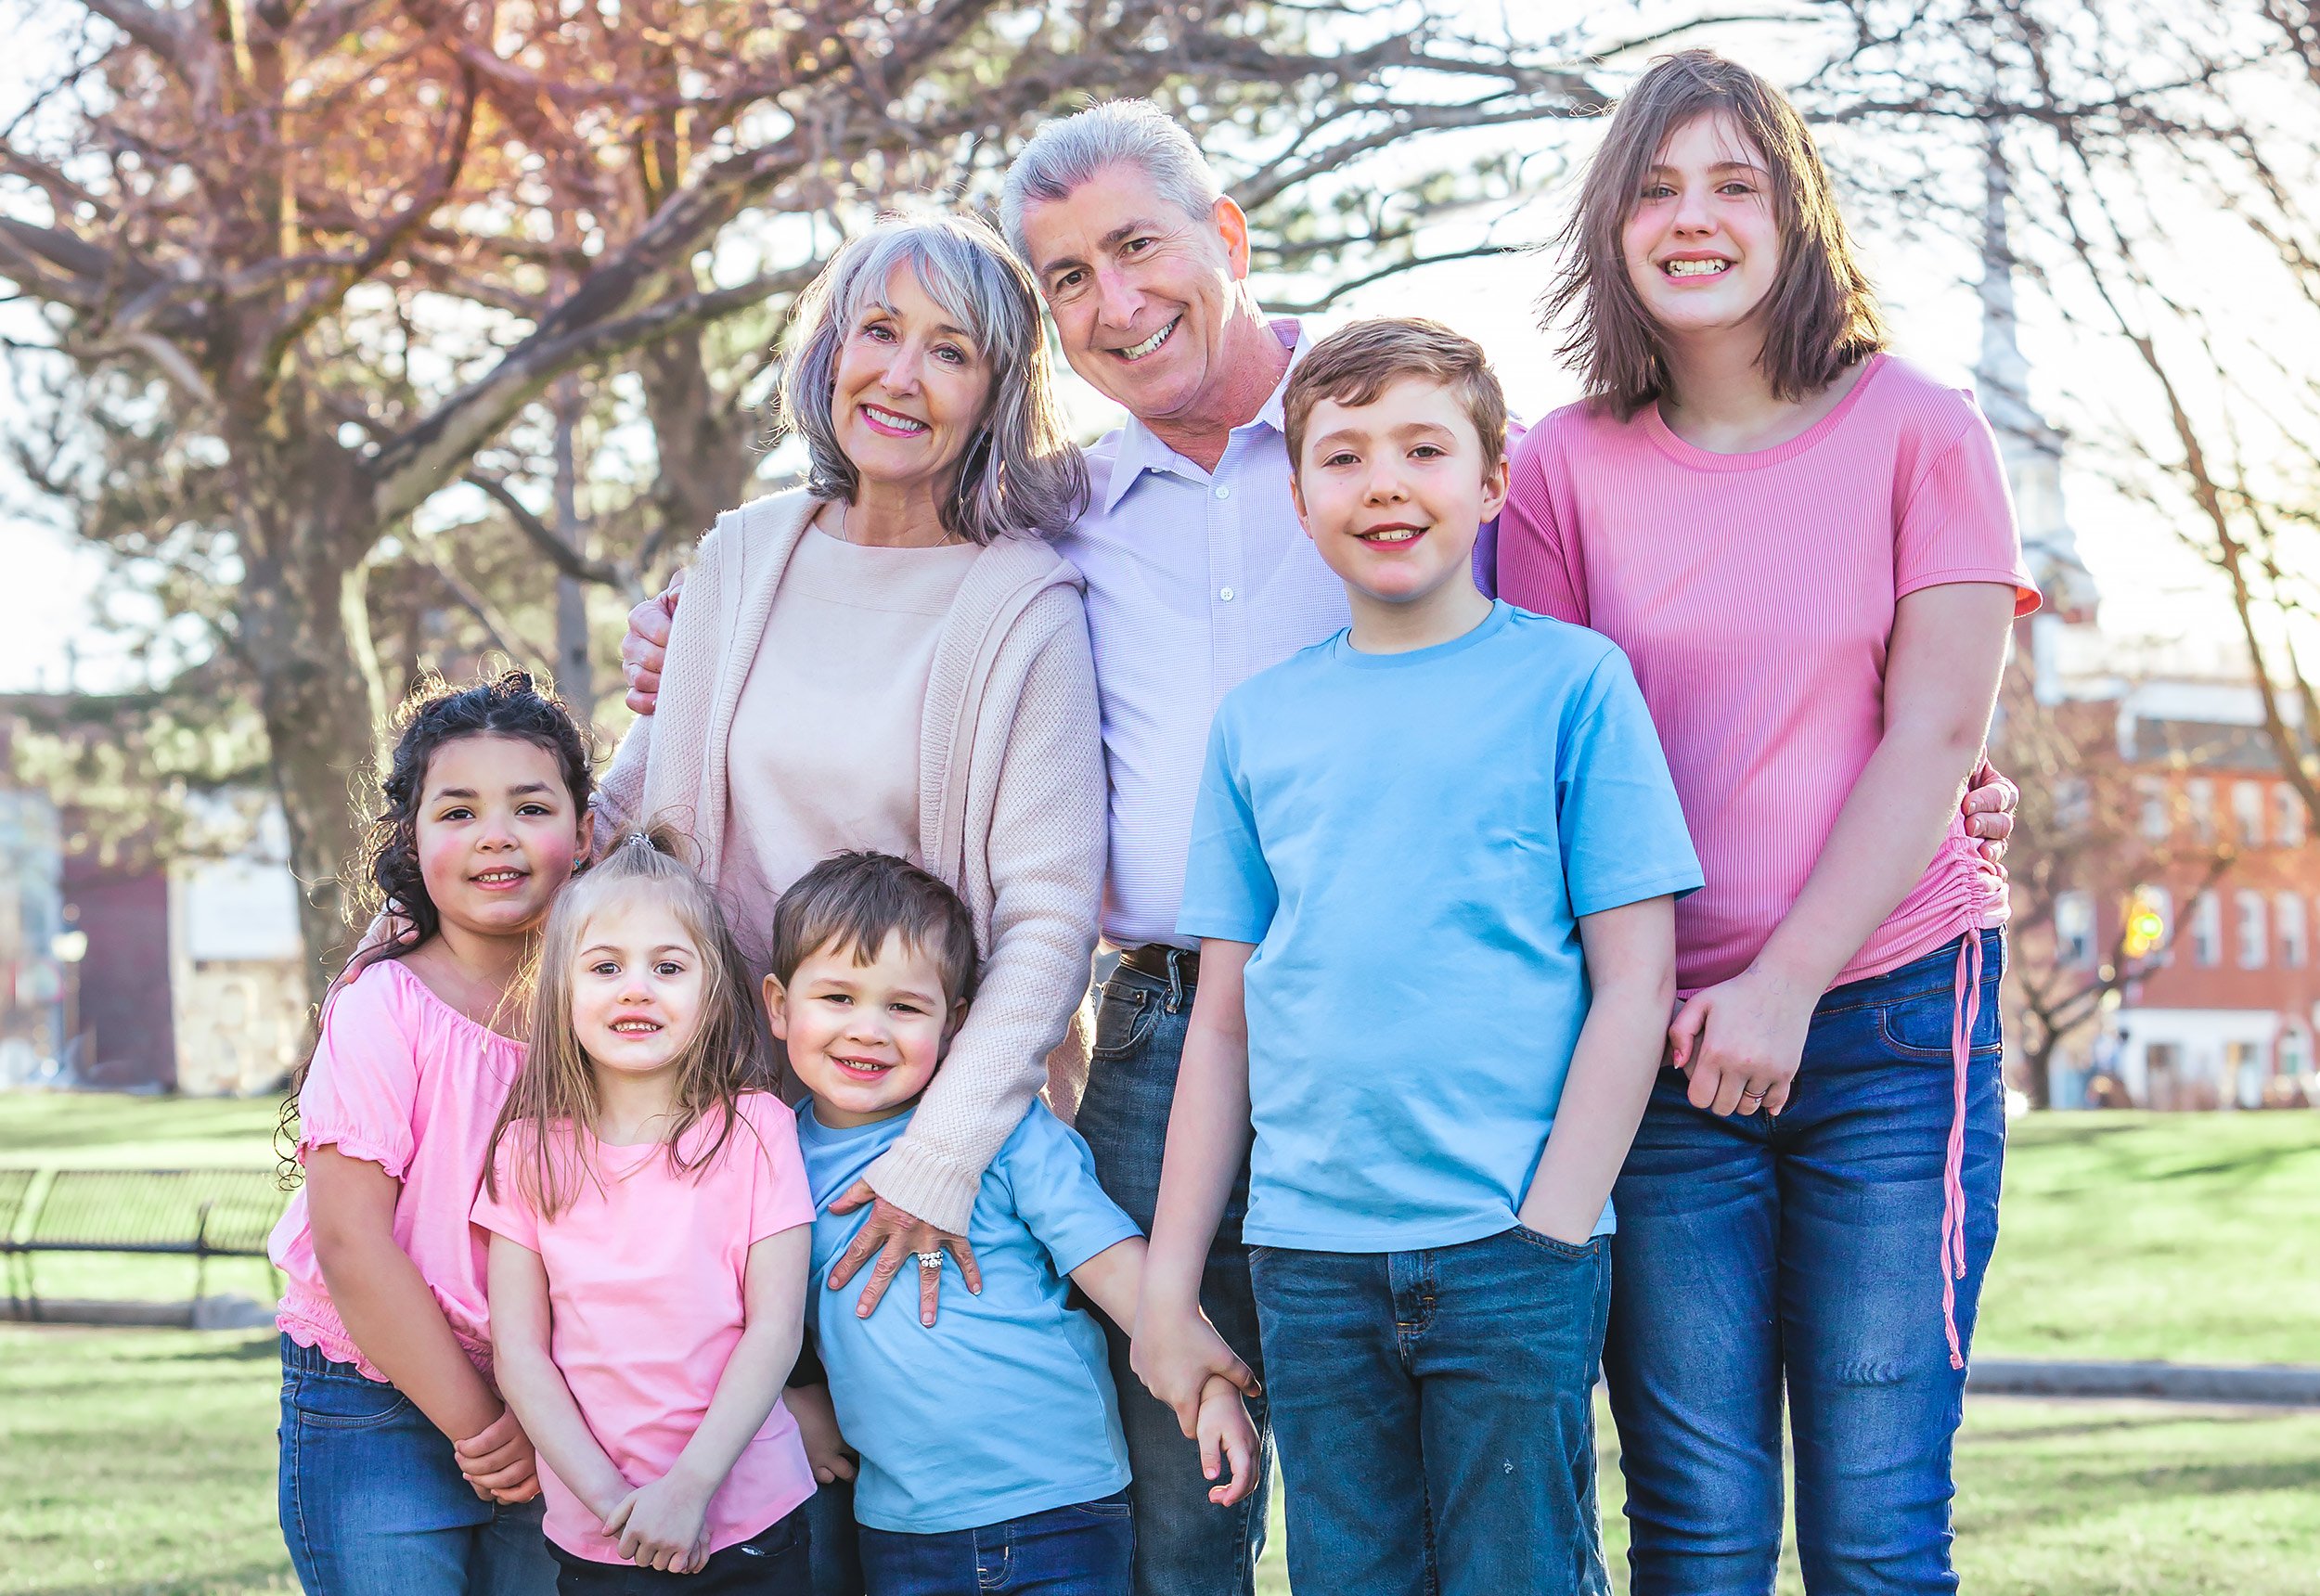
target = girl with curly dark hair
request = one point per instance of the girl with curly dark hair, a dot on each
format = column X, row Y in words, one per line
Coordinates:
column 401, row 1468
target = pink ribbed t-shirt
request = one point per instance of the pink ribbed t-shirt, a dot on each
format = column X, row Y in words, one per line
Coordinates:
column 1754, row 594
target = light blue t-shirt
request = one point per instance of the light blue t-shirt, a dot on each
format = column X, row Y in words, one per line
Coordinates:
column 1409, row 839
column 1005, row 1406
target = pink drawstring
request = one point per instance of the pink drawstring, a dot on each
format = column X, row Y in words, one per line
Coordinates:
column 1965, row 1009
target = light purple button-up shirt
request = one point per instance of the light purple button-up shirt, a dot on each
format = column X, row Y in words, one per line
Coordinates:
column 1196, row 581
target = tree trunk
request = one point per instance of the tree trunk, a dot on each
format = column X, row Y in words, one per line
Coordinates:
column 304, row 634
column 573, row 679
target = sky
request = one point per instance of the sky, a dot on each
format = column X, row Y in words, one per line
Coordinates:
column 2153, row 585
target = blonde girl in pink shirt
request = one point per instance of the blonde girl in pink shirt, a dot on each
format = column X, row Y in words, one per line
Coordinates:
column 401, row 1470
column 1806, row 548
column 651, row 1230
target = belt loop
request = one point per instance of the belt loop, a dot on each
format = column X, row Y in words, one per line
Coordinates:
column 1176, row 980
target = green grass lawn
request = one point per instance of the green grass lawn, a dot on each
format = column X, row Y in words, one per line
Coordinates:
column 143, row 1461
column 137, row 1460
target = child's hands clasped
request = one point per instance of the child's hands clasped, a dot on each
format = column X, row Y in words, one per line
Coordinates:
column 498, row 1463
column 1227, row 1442
column 663, row 1526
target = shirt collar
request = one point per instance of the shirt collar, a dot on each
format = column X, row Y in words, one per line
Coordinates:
column 1141, row 449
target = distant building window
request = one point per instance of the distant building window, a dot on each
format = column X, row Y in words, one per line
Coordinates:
column 2288, row 816
column 2074, row 930
column 2200, row 798
column 2254, row 944
column 2287, row 923
column 2207, row 930
column 2248, row 813
column 2295, row 1051
column 2153, row 793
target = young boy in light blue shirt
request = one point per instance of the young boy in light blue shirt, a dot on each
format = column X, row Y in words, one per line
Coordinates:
column 990, row 1452
column 1433, row 868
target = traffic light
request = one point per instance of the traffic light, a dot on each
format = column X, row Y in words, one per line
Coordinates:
column 2146, row 924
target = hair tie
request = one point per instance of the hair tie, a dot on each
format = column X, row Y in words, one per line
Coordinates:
column 635, row 839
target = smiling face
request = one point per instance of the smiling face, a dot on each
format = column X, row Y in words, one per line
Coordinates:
column 1393, row 492
column 910, row 389
column 637, row 986
column 864, row 1038
column 1702, row 243
column 496, row 832
column 1140, row 292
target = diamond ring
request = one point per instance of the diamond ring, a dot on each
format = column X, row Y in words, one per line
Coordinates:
column 931, row 1262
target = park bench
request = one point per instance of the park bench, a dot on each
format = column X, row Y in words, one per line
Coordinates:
column 199, row 1214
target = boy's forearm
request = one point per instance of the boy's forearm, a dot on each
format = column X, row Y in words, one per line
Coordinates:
column 1208, row 1133
column 1114, row 1280
column 1632, row 969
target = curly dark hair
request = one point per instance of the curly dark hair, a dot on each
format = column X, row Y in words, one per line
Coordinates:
column 383, row 878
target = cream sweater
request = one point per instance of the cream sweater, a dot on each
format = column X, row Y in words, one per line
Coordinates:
column 1011, row 813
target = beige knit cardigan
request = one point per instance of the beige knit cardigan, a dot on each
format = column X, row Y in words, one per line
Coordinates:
column 1010, row 813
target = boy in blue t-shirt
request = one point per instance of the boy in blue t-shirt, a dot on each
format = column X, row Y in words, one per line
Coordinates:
column 990, row 1438
column 1433, row 866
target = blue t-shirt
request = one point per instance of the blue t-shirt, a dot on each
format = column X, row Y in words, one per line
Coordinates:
column 1005, row 1406
column 1409, row 839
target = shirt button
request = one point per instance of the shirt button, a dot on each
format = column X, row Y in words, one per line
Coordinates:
column 1223, row 491
column 1225, row 594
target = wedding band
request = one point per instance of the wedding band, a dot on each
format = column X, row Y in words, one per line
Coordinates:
column 930, row 1262
column 1745, row 1097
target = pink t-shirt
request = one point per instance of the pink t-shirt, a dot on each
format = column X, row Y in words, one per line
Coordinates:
column 1754, row 594
column 645, row 1275
column 401, row 1078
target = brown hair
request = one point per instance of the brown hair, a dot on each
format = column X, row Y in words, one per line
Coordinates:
column 554, row 1098
column 1822, row 312
column 1356, row 364
column 853, row 901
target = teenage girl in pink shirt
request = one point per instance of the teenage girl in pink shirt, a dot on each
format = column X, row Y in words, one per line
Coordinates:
column 651, row 1230
column 1806, row 548
column 401, row 1470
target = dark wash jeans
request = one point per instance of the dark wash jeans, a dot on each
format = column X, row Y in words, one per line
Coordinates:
column 1435, row 1413
column 1185, row 1544
column 771, row 1562
column 372, row 1501
column 1805, row 1253
column 1079, row 1551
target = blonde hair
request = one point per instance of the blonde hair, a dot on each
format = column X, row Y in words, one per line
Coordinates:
column 552, row 1110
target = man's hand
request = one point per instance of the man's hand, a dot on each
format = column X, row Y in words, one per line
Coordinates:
column 1227, row 1442
column 896, row 1238
column 497, row 1462
column 645, row 649
column 1175, row 1356
column 1989, row 807
column 663, row 1526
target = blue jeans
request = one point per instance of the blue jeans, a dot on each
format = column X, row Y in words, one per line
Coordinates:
column 373, row 1503
column 1434, row 1411
column 1185, row 1544
column 1080, row 1551
column 771, row 1562
column 1804, row 1254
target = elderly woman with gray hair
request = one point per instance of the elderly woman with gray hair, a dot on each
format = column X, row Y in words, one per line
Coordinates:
column 892, row 658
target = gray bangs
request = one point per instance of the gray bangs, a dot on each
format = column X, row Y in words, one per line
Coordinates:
column 1070, row 151
column 1021, row 473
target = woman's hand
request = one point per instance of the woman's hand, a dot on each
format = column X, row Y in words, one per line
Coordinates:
column 498, row 1462
column 1175, row 1356
column 896, row 1236
column 1740, row 1041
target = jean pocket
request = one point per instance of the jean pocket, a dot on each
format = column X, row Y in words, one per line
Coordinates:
column 1124, row 1021
column 336, row 1401
column 1591, row 1248
column 1109, row 1510
column 1921, row 1026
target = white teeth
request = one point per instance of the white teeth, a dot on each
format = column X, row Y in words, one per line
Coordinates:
column 1389, row 537
column 1149, row 344
column 1695, row 268
column 901, row 423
